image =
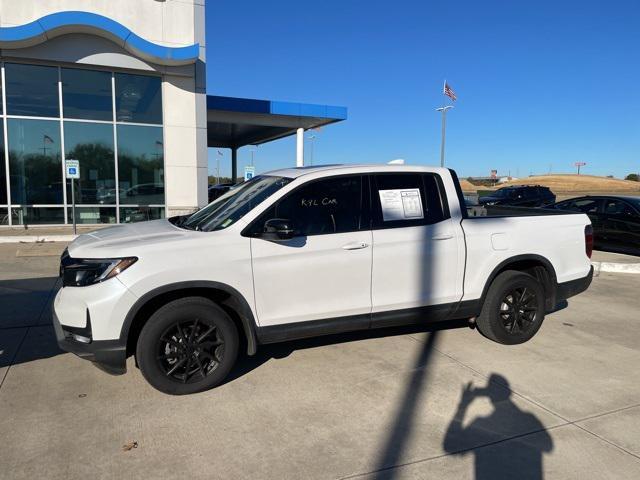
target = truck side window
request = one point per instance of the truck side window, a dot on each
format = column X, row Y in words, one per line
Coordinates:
column 406, row 200
column 332, row 205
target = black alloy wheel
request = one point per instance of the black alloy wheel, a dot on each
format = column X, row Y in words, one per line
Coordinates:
column 188, row 345
column 513, row 309
column 518, row 310
column 190, row 350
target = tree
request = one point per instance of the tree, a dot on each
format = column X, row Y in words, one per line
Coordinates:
column 634, row 177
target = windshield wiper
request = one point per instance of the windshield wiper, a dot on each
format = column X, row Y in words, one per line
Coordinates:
column 180, row 220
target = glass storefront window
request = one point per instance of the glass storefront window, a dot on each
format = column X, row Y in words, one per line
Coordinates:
column 140, row 165
column 32, row 90
column 100, row 110
column 35, row 162
column 140, row 214
column 138, row 98
column 92, row 145
column 86, row 94
column 37, row 215
column 3, row 168
column 92, row 214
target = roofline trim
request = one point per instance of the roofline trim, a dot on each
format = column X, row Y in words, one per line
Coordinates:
column 62, row 23
column 271, row 107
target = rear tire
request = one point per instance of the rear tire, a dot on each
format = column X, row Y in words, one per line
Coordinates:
column 187, row 346
column 513, row 310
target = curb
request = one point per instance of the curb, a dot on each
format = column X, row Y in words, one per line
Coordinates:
column 611, row 267
column 36, row 238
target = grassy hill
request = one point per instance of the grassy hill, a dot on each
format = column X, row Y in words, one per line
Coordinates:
column 572, row 183
column 467, row 186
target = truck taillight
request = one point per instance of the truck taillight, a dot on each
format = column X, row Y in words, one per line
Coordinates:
column 588, row 239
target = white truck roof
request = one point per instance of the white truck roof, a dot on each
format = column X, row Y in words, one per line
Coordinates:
column 296, row 172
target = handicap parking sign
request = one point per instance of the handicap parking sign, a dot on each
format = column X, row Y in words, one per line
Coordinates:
column 72, row 168
column 249, row 172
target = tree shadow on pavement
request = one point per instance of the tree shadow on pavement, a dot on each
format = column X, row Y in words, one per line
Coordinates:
column 26, row 332
column 521, row 457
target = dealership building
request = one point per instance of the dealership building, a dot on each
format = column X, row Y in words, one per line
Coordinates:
column 120, row 86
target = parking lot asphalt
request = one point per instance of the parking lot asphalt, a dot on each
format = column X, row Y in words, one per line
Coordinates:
column 444, row 403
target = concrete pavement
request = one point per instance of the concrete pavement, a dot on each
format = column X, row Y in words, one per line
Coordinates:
column 43, row 234
column 395, row 404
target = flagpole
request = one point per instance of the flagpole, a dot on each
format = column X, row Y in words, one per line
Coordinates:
column 444, row 135
column 443, row 111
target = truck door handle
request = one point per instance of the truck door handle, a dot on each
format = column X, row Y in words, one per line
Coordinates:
column 442, row 236
column 355, row 246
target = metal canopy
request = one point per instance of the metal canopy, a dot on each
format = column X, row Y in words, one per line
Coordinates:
column 235, row 122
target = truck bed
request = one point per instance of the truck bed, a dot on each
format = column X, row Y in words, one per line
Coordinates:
column 494, row 211
column 503, row 233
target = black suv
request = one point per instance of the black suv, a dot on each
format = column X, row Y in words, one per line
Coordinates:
column 216, row 191
column 520, row 196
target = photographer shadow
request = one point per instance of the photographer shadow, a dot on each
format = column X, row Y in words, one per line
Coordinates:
column 520, row 457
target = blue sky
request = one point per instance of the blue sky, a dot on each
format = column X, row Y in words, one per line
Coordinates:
column 540, row 84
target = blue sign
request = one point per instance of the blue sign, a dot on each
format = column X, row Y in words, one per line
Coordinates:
column 72, row 169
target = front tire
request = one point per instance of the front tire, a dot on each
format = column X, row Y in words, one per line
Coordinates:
column 187, row 346
column 513, row 309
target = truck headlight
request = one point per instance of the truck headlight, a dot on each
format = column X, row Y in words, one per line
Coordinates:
column 83, row 272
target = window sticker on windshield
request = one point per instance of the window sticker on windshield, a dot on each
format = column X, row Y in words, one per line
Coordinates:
column 401, row 204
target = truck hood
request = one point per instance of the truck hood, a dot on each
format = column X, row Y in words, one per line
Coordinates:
column 125, row 240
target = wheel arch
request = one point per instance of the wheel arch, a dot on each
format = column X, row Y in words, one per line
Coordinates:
column 535, row 265
column 227, row 297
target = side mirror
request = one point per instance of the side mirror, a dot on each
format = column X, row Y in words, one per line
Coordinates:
column 278, row 229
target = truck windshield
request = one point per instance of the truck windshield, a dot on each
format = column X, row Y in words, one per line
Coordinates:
column 233, row 205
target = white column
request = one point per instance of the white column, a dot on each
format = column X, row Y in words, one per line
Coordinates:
column 300, row 147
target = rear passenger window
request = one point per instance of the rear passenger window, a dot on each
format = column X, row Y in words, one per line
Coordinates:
column 332, row 205
column 616, row 207
column 407, row 199
column 586, row 205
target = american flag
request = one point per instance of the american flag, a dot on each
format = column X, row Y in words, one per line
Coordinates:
column 449, row 92
column 47, row 139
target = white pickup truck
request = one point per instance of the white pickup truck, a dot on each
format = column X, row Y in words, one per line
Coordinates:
column 311, row 251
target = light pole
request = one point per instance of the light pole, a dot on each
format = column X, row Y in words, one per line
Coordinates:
column 311, row 138
column 443, row 110
column 218, row 155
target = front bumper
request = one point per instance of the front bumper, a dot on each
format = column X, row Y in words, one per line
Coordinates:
column 108, row 355
column 574, row 287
